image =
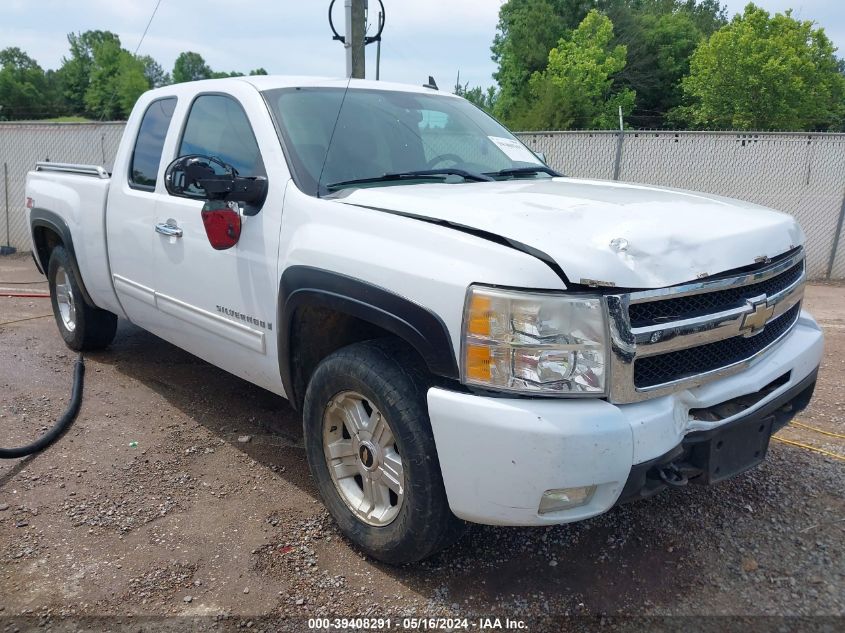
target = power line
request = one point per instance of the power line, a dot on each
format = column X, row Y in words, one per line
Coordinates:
column 135, row 54
column 144, row 34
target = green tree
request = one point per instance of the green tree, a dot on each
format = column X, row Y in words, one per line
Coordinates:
column 577, row 88
column 197, row 68
column 52, row 94
column 24, row 89
column 660, row 38
column 659, row 35
column 526, row 32
column 484, row 99
column 709, row 15
column 133, row 80
column 101, row 95
column 156, row 77
column 117, row 80
column 190, row 66
column 97, row 79
column 75, row 72
column 764, row 72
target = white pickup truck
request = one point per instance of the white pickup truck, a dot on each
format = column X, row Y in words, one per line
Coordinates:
column 469, row 335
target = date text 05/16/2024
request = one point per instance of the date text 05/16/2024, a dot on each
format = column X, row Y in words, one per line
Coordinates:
column 417, row 624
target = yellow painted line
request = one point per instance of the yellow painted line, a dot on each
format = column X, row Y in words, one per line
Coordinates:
column 801, row 425
column 810, row 448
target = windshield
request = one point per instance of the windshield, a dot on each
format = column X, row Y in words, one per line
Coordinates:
column 381, row 132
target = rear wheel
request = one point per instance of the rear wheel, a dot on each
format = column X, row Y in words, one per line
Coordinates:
column 372, row 453
column 83, row 327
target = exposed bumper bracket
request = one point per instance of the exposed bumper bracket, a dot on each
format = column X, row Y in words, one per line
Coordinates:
column 705, row 457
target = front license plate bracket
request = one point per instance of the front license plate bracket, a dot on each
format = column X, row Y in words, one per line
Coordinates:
column 733, row 450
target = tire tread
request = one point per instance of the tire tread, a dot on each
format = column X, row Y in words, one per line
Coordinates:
column 393, row 372
column 95, row 327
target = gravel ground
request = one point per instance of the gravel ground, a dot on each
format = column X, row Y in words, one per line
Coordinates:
column 182, row 491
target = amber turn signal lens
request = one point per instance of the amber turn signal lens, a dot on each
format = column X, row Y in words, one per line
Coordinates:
column 479, row 360
column 479, row 316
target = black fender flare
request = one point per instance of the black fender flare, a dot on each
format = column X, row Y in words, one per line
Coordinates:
column 45, row 218
column 421, row 328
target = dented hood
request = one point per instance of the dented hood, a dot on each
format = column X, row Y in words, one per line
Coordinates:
column 631, row 236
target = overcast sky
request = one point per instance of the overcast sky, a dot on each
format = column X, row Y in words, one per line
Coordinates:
column 422, row 37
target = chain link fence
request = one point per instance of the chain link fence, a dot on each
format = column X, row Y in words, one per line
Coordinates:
column 798, row 173
column 24, row 144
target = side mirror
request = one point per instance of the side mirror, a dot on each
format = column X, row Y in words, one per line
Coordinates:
column 207, row 178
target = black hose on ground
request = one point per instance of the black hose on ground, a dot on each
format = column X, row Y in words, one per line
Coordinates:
column 63, row 423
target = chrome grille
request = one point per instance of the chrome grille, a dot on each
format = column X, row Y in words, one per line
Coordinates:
column 664, row 368
column 675, row 338
column 656, row 312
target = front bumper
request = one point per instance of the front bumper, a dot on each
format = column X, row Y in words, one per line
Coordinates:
column 706, row 457
column 498, row 455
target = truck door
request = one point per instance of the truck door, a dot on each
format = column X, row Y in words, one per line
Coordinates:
column 221, row 304
column 136, row 186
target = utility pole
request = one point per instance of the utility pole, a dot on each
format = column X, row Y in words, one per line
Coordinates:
column 356, row 32
column 356, row 39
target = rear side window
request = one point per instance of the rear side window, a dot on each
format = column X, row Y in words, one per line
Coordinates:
column 218, row 127
column 146, row 157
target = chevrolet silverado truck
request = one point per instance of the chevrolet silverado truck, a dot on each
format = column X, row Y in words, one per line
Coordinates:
column 469, row 335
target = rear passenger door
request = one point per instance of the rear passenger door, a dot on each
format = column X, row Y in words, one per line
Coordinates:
column 221, row 305
column 135, row 189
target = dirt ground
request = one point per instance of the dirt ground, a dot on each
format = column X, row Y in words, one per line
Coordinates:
column 155, row 504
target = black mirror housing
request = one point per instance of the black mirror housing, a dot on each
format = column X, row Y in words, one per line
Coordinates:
column 207, row 178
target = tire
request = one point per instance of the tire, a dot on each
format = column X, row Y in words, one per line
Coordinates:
column 83, row 327
column 386, row 376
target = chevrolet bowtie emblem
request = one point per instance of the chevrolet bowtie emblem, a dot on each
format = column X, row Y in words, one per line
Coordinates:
column 753, row 322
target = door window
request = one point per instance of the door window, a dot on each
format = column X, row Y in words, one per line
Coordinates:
column 218, row 126
column 146, row 157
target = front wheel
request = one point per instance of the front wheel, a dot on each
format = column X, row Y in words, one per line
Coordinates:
column 371, row 451
column 83, row 327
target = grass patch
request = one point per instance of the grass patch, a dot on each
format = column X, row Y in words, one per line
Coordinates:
column 67, row 119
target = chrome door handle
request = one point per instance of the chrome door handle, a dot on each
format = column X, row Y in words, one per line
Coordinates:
column 169, row 230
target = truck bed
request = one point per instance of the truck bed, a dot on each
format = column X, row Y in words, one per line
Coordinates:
column 72, row 199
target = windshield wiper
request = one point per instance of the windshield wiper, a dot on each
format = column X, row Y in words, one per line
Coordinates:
column 425, row 174
column 524, row 171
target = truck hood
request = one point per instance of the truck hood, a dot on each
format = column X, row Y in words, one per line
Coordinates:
column 630, row 236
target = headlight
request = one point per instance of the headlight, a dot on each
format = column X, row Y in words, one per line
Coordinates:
column 533, row 342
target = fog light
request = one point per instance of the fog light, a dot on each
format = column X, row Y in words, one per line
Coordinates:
column 565, row 498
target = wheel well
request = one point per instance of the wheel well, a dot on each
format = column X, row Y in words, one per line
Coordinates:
column 320, row 311
column 46, row 237
column 316, row 332
column 45, row 240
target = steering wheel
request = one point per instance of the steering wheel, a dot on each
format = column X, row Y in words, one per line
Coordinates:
column 444, row 157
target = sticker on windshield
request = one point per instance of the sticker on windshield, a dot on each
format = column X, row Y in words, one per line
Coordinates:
column 515, row 150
